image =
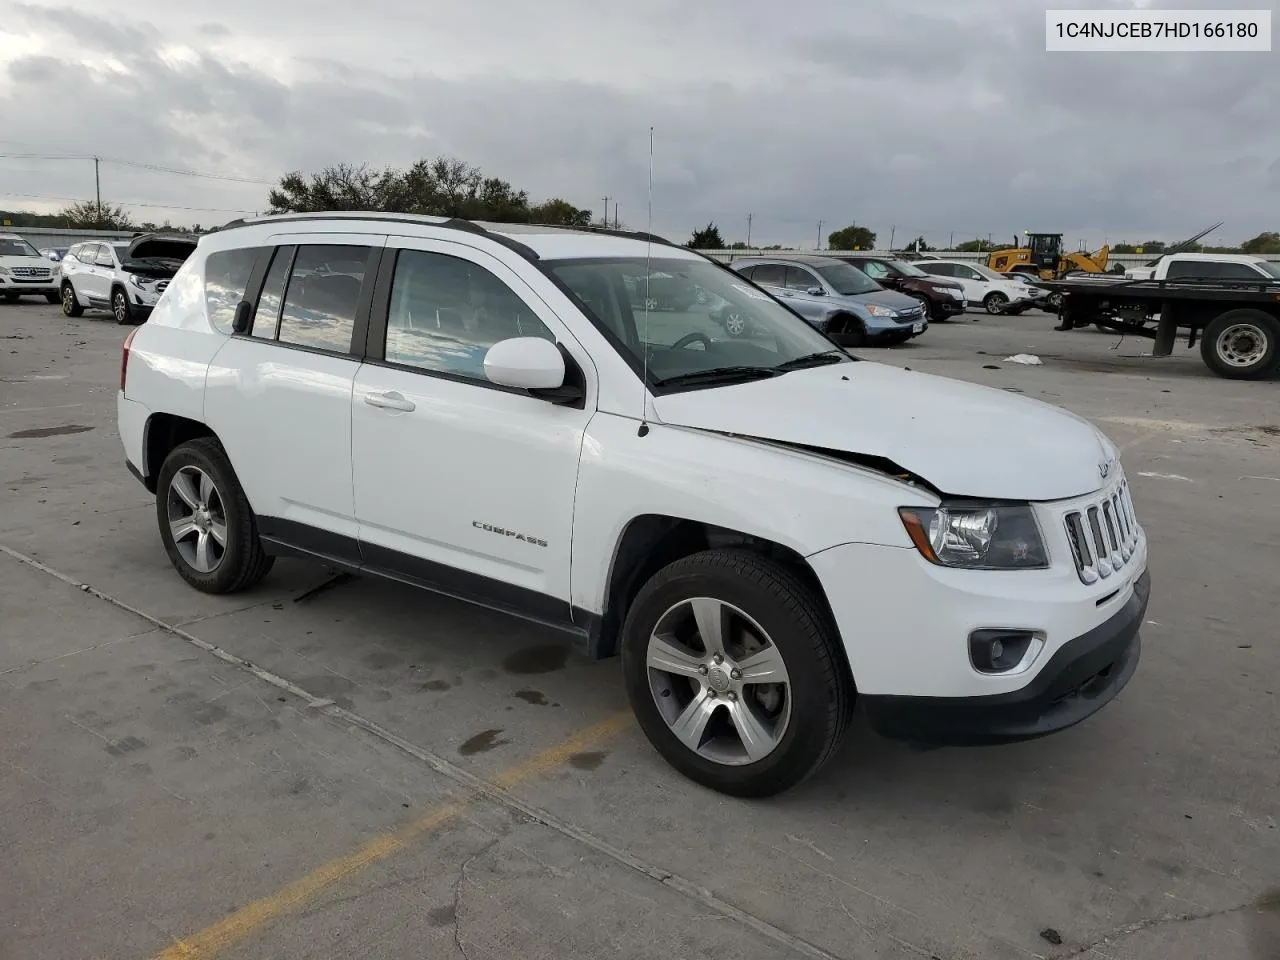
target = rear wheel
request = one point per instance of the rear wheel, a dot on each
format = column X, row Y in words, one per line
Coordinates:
column 70, row 305
column 733, row 670
column 206, row 524
column 1241, row 344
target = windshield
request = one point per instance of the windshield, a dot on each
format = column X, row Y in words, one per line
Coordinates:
column 988, row 272
column 907, row 269
column 687, row 317
column 1270, row 267
column 17, row 247
column 847, row 279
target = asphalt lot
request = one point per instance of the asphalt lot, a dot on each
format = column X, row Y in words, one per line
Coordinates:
column 343, row 768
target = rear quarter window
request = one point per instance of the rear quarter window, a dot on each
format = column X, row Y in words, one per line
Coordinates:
column 226, row 275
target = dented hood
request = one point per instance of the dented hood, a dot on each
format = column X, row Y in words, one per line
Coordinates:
column 964, row 439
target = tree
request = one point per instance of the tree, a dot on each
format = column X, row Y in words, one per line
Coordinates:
column 442, row 187
column 559, row 213
column 87, row 215
column 708, row 238
column 973, row 246
column 1263, row 243
column 919, row 245
column 852, row 237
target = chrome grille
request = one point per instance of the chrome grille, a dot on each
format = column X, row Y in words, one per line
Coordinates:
column 161, row 286
column 1104, row 535
column 41, row 272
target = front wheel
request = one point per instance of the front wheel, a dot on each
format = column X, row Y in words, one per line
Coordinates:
column 926, row 303
column 70, row 305
column 734, row 672
column 1241, row 344
column 995, row 303
column 735, row 323
column 120, row 308
column 206, row 524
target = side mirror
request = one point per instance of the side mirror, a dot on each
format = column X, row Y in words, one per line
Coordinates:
column 530, row 363
column 240, row 323
column 816, row 292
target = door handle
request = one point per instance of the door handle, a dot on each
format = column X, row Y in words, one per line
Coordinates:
column 391, row 400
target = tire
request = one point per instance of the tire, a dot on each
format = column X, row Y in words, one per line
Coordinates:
column 855, row 334
column 70, row 305
column 53, row 298
column 241, row 562
column 808, row 717
column 120, row 308
column 924, row 302
column 994, row 303
column 1242, row 344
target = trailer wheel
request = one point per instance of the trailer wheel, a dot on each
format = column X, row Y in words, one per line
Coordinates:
column 1241, row 344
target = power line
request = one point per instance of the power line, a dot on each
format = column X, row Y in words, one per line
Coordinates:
column 138, row 164
column 127, row 203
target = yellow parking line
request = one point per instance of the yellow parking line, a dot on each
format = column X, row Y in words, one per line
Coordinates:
column 250, row 918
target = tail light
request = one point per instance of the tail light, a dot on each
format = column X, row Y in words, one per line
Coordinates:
column 124, row 355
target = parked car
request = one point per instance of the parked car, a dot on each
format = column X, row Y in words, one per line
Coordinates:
column 765, row 529
column 1042, row 296
column 23, row 272
column 838, row 299
column 941, row 298
column 125, row 277
column 997, row 292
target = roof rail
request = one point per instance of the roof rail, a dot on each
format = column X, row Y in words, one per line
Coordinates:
column 452, row 223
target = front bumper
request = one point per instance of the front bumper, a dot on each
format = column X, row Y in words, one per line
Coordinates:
column 1082, row 677
column 947, row 307
column 29, row 288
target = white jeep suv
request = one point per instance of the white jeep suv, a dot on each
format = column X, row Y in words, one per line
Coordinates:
column 764, row 527
column 24, row 272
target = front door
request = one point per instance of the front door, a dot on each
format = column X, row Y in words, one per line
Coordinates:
column 462, row 485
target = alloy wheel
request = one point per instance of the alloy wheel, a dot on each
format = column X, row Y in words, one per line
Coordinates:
column 719, row 681
column 197, row 519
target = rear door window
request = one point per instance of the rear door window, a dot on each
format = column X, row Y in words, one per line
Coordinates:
column 798, row 278
column 320, row 301
column 770, row 273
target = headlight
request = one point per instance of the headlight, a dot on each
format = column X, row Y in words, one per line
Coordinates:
column 4, row 271
column 977, row 537
column 878, row 311
column 140, row 282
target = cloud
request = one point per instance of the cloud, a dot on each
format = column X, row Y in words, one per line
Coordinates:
column 934, row 116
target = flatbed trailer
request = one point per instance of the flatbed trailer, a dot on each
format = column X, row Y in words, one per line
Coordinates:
column 1236, row 321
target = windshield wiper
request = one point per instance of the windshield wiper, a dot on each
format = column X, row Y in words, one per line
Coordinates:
column 813, row 360
column 719, row 375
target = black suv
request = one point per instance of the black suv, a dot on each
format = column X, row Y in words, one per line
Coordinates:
column 941, row 298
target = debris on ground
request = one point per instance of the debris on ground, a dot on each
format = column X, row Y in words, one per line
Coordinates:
column 1030, row 359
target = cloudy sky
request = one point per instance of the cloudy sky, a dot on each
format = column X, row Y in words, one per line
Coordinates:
column 933, row 116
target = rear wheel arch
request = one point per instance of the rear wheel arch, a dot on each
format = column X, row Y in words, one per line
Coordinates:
column 161, row 435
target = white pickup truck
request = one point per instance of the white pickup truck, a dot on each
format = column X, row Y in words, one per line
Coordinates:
column 1206, row 266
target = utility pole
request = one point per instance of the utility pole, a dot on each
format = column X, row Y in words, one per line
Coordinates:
column 97, row 188
column 749, row 216
column 606, row 213
column 819, row 246
column 615, row 215
column 892, row 230
column 951, row 244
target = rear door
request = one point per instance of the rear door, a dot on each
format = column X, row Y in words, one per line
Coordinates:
column 279, row 395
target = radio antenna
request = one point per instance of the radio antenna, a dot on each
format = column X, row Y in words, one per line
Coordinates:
column 644, row 336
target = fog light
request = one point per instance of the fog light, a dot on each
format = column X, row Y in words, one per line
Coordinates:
column 999, row 651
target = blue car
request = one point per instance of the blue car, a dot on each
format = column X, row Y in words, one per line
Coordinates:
column 837, row 298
